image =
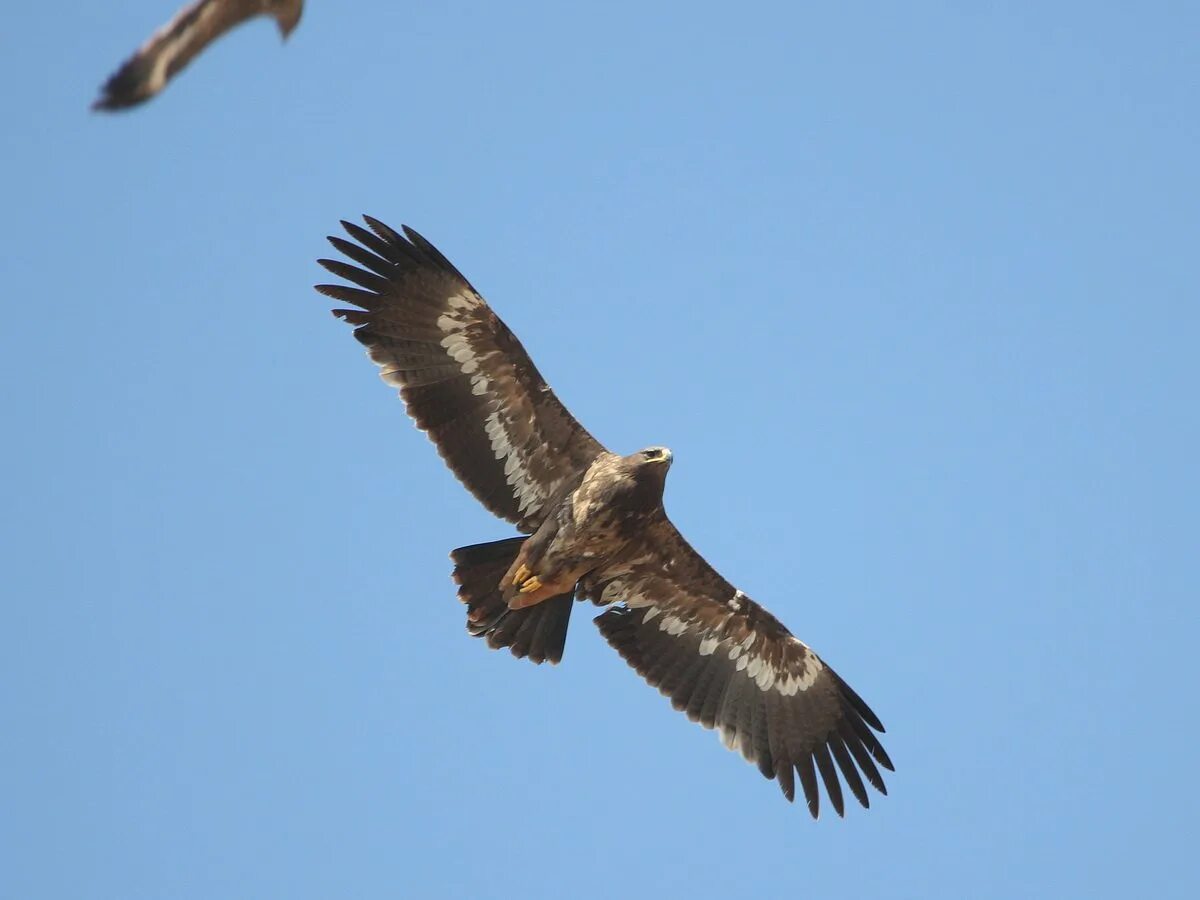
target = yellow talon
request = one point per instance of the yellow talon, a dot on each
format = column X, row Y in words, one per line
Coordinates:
column 521, row 574
column 531, row 585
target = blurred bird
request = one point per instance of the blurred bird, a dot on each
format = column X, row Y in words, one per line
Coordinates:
column 178, row 42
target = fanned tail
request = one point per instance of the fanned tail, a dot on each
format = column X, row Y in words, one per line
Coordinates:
column 536, row 632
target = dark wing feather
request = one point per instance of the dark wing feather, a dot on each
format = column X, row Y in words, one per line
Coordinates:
column 178, row 42
column 464, row 377
column 731, row 665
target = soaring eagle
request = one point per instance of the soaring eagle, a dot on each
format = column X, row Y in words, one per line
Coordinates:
column 593, row 528
column 175, row 45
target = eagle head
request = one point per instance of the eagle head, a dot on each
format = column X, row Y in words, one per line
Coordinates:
column 654, row 456
column 650, row 465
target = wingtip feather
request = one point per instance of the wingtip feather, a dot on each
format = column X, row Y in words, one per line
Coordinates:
column 386, row 232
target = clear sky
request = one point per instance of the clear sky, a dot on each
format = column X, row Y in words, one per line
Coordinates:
column 910, row 290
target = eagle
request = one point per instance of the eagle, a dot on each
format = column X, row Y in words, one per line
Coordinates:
column 179, row 41
column 592, row 528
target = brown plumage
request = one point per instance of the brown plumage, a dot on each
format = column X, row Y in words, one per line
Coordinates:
column 178, row 42
column 594, row 529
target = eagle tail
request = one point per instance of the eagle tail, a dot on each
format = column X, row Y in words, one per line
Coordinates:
column 536, row 632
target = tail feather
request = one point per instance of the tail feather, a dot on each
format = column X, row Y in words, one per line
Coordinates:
column 536, row 632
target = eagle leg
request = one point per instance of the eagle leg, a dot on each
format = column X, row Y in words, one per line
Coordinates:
column 533, row 590
column 530, row 581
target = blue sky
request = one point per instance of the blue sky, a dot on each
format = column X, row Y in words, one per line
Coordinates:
column 910, row 292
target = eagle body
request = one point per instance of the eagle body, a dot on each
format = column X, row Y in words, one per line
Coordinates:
column 589, row 530
column 181, row 40
column 591, row 527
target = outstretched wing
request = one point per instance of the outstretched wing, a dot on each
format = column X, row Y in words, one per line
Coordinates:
column 183, row 38
column 731, row 665
column 464, row 376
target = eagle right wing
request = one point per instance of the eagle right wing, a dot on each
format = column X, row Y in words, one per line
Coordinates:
column 182, row 39
column 464, row 377
column 731, row 665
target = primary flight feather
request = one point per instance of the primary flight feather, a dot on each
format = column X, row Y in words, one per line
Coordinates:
column 593, row 528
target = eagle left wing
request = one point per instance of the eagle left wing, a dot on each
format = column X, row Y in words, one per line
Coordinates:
column 463, row 375
column 731, row 665
column 181, row 40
